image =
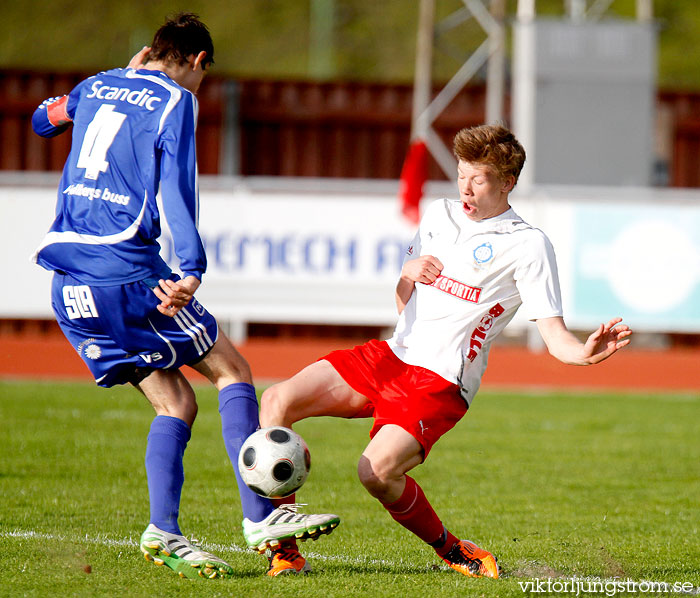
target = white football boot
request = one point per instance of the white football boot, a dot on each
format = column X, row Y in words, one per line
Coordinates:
column 181, row 555
column 286, row 522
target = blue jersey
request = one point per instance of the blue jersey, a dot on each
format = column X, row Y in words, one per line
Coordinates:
column 133, row 135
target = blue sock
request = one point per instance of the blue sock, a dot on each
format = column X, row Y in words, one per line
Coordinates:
column 238, row 407
column 167, row 441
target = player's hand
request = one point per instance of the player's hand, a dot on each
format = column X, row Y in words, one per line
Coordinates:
column 175, row 294
column 136, row 61
column 424, row 269
column 607, row 339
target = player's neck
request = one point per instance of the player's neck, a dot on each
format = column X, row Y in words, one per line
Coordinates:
column 169, row 68
column 180, row 73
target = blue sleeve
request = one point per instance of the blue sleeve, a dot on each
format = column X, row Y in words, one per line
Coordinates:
column 178, row 186
column 55, row 115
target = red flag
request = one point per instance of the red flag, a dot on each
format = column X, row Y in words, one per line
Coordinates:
column 413, row 175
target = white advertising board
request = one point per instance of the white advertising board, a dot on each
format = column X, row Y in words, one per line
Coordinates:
column 329, row 251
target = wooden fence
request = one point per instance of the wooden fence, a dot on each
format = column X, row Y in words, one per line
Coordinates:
column 301, row 128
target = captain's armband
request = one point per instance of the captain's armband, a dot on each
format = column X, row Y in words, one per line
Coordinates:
column 57, row 112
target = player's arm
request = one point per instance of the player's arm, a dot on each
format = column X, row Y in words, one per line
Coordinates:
column 537, row 281
column 53, row 116
column 424, row 269
column 600, row 345
column 178, row 187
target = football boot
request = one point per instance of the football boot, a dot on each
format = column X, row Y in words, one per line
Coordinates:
column 285, row 522
column 181, row 555
column 472, row 561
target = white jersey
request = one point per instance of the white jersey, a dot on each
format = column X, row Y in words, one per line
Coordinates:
column 491, row 267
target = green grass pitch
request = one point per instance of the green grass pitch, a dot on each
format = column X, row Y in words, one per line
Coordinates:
column 556, row 485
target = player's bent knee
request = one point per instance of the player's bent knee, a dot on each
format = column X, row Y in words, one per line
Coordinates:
column 187, row 413
column 183, row 407
column 374, row 478
column 170, row 394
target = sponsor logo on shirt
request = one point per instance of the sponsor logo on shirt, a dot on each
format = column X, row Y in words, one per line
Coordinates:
column 81, row 190
column 457, row 289
column 479, row 333
column 143, row 98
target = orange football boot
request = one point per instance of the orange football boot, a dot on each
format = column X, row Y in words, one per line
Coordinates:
column 470, row 560
column 287, row 559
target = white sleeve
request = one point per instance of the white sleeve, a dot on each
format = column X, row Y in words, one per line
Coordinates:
column 413, row 249
column 537, row 279
column 432, row 218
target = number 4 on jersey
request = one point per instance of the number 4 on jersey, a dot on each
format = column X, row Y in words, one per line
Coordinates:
column 98, row 137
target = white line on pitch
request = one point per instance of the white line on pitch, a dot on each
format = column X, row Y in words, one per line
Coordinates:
column 130, row 543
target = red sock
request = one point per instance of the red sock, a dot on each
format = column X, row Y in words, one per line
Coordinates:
column 287, row 500
column 414, row 512
column 444, row 544
column 287, row 544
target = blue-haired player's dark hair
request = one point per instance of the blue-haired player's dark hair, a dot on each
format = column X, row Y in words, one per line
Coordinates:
column 181, row 36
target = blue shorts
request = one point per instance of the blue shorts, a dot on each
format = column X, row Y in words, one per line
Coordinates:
column 121, row 336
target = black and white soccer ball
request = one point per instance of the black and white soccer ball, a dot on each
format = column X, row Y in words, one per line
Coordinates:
column 274, row 462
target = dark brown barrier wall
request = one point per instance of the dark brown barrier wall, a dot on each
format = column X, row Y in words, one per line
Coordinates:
column 302, row 128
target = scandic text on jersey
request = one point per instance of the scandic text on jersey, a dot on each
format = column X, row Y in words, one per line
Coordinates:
column 137, row 97
column 457, row 289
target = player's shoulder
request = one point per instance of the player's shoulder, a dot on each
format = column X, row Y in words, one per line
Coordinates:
column 511, row 221
column 439, row 209
column 110, row 84
column 533, row 242
column 179, row 98
column 157, row 81
column 438, row 219
column 109, row 74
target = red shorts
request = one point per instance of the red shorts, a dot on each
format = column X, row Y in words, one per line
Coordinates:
column 412, row 397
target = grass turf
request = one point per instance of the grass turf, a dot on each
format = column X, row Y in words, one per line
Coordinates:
column 556, row 485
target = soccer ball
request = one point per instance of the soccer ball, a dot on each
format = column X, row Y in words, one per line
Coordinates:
column 274, row 462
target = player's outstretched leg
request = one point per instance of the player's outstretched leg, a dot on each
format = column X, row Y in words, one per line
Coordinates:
column 414, row 512
column 286, row 523
column 181, row 555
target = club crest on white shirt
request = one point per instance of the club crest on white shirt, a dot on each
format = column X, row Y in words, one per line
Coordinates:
column 483, row 253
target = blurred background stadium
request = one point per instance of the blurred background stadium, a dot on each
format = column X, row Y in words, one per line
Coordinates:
column 304, row 127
